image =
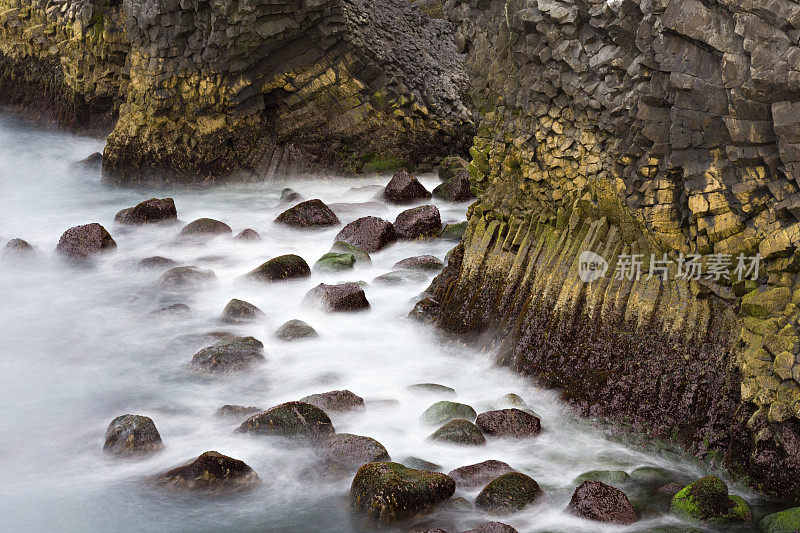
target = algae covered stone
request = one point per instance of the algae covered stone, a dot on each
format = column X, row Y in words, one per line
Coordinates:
column 787, row 521
column 186, row 277
column 388, row 492
column 432, row 388
column 765, row 302
column 609, row 477
column 427, row 263
column 479, row 474
column 509, row 423
column 360, row 255
column 461, row 432
column 298, row 420
column 238, row 311
column 229, row 355
column 508, row 494
column 352, row 451
column 707, row 501
column 335, row 262
column 308, row 214
column 453, row 232
column 206, row 227
column 132, row 435
column 451, row 166
column 211, row 472
column 283, row 267
column 295, row 330
column 444, row 411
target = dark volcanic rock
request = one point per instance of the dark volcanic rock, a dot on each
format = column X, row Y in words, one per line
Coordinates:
column 461, row 432
column 211, row 472
column 508, row 493
column 157, row 261
column 248, row 235
column 478, row 475
column 187, row 277
column 427, row 263
column 308, row 214
column 206, row 227
column 18, row 247
column 82, row 242
column 132, row 435
column 335, row 401
column 404, row 189
column 597, row 501
column 388, row 492
column 368, row 233
column 297, row 420
column 229, row 355
column 422, row 221
column 336, row 298
column 707, row 501
column 509, row 423
column 456, row 189
column 239, row 311
column 451, row 167
column 441, row 412
column 281, row 268
column 237, row 411
column 352, row 451
column 492, row 527
column 154, row 210
column 294, row 330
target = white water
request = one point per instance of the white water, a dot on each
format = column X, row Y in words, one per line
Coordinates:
column 80, row 346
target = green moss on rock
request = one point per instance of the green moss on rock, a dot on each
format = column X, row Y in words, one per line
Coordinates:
column 707, row 501
column 787, row 521
column 609, row 477
column 335, row 262
column 444, row 411
column 509, row 493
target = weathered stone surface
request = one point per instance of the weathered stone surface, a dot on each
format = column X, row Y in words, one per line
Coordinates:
column 453, row 232
column 352, row 451
column 239, row 311
column 237, row 411
column 338, row 298
column 335, row 262
column 297, row 420
column 308, row 214
column 157, row 262
column 427, row 263
column 82, row 242
column 707, row 501
column 206, row 227
column 455, row 189
column 18, row 247
column 248, row 235
column 211, row 472
column 229, row 355
column 336, row 401
column 132, row 435
column 186, row 277
column 513, row 423
column 341, row 247
column 480, row 474
column 452, row 166
column 459, row 431
column 400, row 277
column 508, row 493
column 295, row 330
column 787, row 521
column 370, row 234
column 419, row 222
column 432, row 388
column 596, row 501
column 152, row 211
column 404, row 189
column 281, row 268
column 609, row 477
column 443, row 411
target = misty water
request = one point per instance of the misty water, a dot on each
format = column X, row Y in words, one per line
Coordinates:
column 81, row 346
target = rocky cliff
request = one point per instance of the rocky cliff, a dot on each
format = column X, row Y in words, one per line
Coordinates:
column 209, row 89
column 630, row 128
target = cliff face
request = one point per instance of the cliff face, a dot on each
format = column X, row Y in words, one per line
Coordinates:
column 640, row 127
column 211, row 89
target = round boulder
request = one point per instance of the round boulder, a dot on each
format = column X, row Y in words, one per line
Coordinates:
column 388, row 492
column 294, row 330
column 283, row 267
column 186, row 277
column 456, row 189
column 610, row 477
column 461, row 432
column 83, row 242
column 336, row 401
column 157, row 261
column 508, row 494
column 132, row 435
column 237, row 411
column 444, row 411
column 368, row 233
column 174, row 310
column 594, row 500
column 427, row 263
column 211, row 472
column 206, row 227
column 360, row 255
column 420, row 222
column 338, row 298
column 787, row 521
column 432, row 388
column 453, row 232
column 400, row 277
column 239, row 312
column 308, row 214
column 334, row 262
column 707, row 501
column 513, row 423
column 352, row 451
column 298, row 420
column 452, row 166
column 152, row 211
column 248, row 235
column 479, row 474
column 404, row 189
column 229, row 355
column 18, row 247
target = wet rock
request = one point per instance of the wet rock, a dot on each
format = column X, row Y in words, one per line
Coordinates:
column 281, row 268
column 248, row 235
column 670, row 489
column 308, row 214
column 335, row 262
column 297, row 420
column 206, row 227
column 451, row 167
column 352, row 451
column 453, row 232
column 18, row 247
column 420, row 222
column 456, row 189
column 287, row 192
column 511, row 423
column 513, row 400
column 290, row 198
column 652, row 474
column 83, row 242
column 325, row 472
column 427, row 263
column 186, row 277
column 425, row 310
column 157, row 262
column 387, row 492
column 240, row 312
column 295, row 330
column 91, row 162
column 707, row 501
column 461, row 432
column 132, row 435
column 335, row 401
column 492, row 527
column 360, row 255
column 479, row 474
column 432, row 388
column 152, row 211
column 421, row 464
column 508, row 494
column 404, row 189
column 237, row 411
column 174, row 309
column 229, row 355
column 444, row 411
column 597, row 501
column 400, row 277
column 787, row 521
column 371, row 234
column 211, row 472
column 609, row 477
column 338, row 298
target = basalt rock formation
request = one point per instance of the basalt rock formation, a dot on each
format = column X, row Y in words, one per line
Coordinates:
column 628, row 127
column 201, row 90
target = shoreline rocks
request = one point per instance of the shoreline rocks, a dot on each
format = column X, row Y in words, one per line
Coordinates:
column 83, row 242
column 293, row 330
column 337, row 401
column 152, row 211
column 283, row 267
column 308, row 214
column 508, row 494
column 186, row 277
column 295, row 420
column 342, row 297
column 707, row 501
column 479, row 474
column 404, row 189
column 211, row 472
column 370, row 234
column 444, row 411
column 509, row 423
column 419, row 223
column 597, row 501
column 352, row 451
column 229, row 355
column 460, row 432
column 206, row 228
column 132, row 435
column 241, row 312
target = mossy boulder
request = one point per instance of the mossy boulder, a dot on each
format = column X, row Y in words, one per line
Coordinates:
column 308, row 214
column 338, row 298
column 132, row 435
column 186, row 277
column 360, row 255
column 370, row 234
column 152, row 211
column 388, row 492
column 479, row 474
column 509, row 423
column 456, row 189
column 206, row 227
column 336, row 401
column 229, row 355
column 82, row 242
column 404, row 189
column 451, row 167
column 335, row 262
column 352, row 451
column 609, row 477
column 432, row 388
column 461, row 432
column 211, row 472
column 707, row 501
column 239, row 312
column 418, row 223
column 426, row 263
column 453, row 232
column 283, row 267
column 508, row 494
column 652, row 474
column 787, row 521
column 594, row 500
column 295, row 330
column 444, row 411
column 297, row 420
column 766, row 302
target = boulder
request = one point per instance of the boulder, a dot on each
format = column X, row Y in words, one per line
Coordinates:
column 453, row 232
column 420, row 222
column 206, row 227
column 18, row 247
column 338, row 298
column 513, row 423
column 421, row 464
column 152, row 211
column 461, row 432
column 451, row 167
column 174, row 309
column 237, row 411
column 211, row 472
column 335, row 401
column 707, row 501
column 508, row 494
column 352, row 451
column 248, row 235
column 478, row 475
column 492, row 527
column 157, row 261
column 229, row 355
column 308, row 214
column 456, row 189
column 287, row 192
column 281, row 268
column 609, row 477
column 240, row 312
column 513, row 400
column 132, row 435
column 296, row 420
column 360, row 255
column 388, row 492
column 186, row 277
column 652, row 474
column 400, row 277
column 290, row 198
column 444, row 411
column 334, row 262
column 427, row 263
column 295, row 330
column 368, row 233
column 432, row 388
column 404, row 189
column 787, row 521
column 597, row 501
column 83, row 242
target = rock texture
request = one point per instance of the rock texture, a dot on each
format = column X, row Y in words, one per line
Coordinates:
column 83, row 242
column 597, row 501
column 211, row 472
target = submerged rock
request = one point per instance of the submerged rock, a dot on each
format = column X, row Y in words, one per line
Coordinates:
column 335, row 401
column 186, row 277
column 338, row 298
column 229, row 355
column 508, row 494
column 707, row 501
column 298, row 420
column 83, row 242
column 132, row 435
column 399, row 277
column 18, row 247
column 597, row 501
column 609, row 477
column 388, row 492
column 370, row 234
column 433, row 388
column 352, row 208
column 652, row 474
column 492, row 527
column 360, row 255
column 283, row 267
column 404, row 189
column 211, row 472
column 174, row 309
column 152, row 211
column 335, row 262
column 239, row 312
column 294, row 330
column 787, row 521
column 453, row 232
column 443, row 411
column 248, row 235
column 237, row 411
column 513, row 423
column 421, row 464
column 206, row 227
column 427, row 263
column 308, row 214
column 461, row 432
column 157, row 261
column 479, row 474
column 425, row 310
column 91, row 162
column 352, row 451
column 455, row 189
column 420, row 222
column 451, row 167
